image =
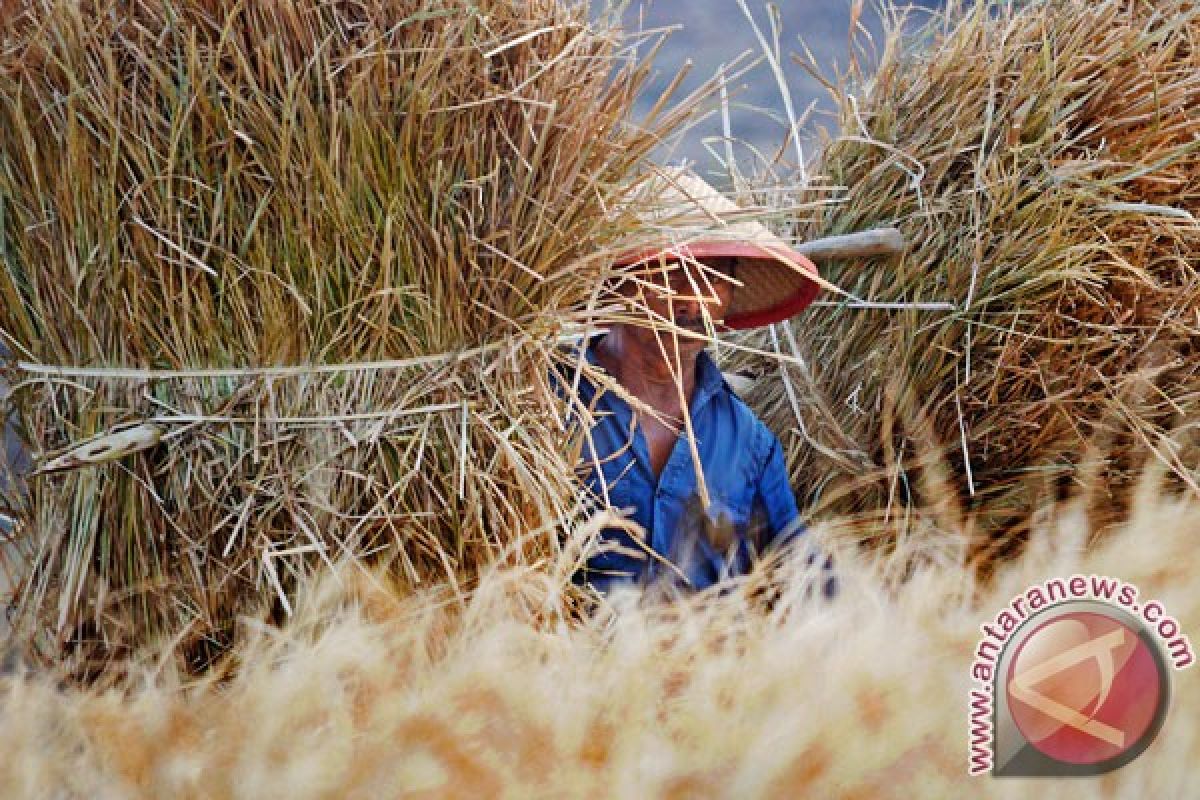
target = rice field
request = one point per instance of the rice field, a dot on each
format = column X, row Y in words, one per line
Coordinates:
column 283, row 284
column 368, row 693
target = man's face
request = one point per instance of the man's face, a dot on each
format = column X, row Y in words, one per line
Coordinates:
column 683, row 293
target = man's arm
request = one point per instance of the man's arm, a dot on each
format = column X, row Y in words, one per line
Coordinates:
column 783, row 517
column 775, row 493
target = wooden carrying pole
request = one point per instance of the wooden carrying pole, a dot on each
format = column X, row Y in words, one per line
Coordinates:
column 878, row 242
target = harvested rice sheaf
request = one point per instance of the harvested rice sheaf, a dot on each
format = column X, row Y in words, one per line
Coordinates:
column 218, row 190
column 1043, row 161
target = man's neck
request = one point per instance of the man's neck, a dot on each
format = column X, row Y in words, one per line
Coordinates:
column 644, row 371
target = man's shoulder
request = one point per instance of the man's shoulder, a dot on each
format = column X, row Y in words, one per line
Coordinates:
column 743, row 410
column 729, row 385
column 746, row 419
column 763, row 442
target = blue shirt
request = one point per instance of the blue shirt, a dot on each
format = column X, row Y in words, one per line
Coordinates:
column 743, row 467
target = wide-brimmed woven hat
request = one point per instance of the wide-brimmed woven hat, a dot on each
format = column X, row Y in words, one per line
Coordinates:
column 690, row 220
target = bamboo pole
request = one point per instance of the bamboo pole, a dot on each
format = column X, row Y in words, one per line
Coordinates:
column 864, row 244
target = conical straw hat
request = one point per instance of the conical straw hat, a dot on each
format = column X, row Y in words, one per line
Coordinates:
column 691, row 220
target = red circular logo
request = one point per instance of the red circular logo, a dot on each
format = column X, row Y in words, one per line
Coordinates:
column 1084, row 688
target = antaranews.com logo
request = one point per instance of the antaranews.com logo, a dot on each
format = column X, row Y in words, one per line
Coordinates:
column 1071, row 678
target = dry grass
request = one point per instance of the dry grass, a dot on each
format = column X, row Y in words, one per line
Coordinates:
column 367, row 695
column 319, row 253
column 196, row 193
column 1042, row 160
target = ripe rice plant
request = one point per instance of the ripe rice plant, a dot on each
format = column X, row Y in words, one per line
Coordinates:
column 370, row 693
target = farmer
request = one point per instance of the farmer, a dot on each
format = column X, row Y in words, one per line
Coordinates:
column 705, row 519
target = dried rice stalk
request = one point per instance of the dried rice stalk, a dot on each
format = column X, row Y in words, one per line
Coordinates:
column 366, row 694
column 326, row 248
column 1043, row 161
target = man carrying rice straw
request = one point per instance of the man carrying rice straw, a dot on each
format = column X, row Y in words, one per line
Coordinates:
column 669, row 439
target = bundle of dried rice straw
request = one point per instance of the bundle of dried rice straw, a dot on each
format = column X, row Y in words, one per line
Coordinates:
column 280, row 280
column 1043, row 161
